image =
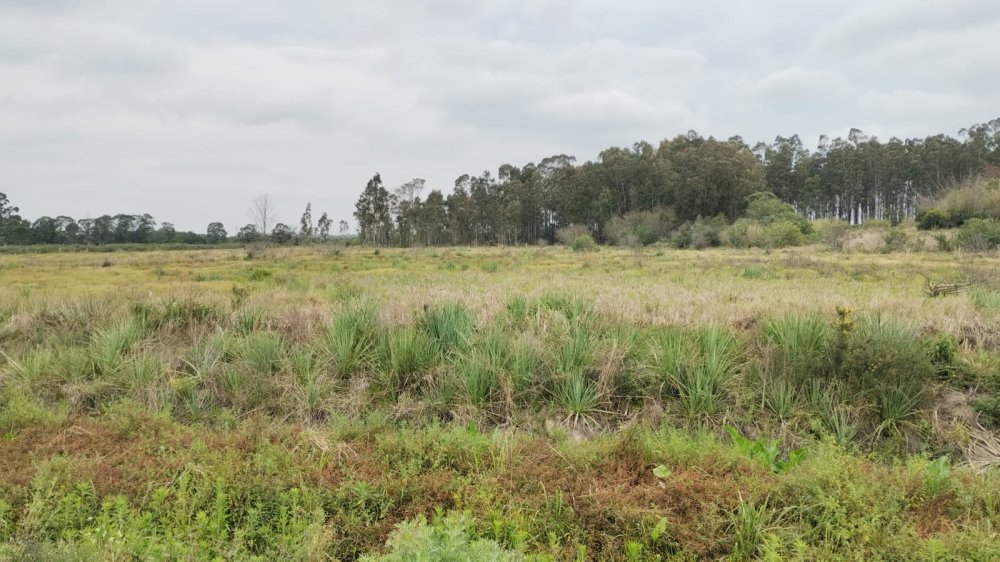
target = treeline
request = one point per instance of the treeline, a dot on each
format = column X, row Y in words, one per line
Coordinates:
column 854, row 179
column 143, row 229
column 106, row 229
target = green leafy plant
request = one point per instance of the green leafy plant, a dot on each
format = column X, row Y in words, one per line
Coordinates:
column 767, row 452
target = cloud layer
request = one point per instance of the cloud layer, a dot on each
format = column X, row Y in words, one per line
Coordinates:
column 189, row 110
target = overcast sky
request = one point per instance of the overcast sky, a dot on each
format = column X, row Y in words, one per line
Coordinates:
column 189, row 110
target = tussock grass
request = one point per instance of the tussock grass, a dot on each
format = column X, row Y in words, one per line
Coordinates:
column 350, row 339
column 799, row 346
column 109, row 345
column 451, row 325
column 403, row 356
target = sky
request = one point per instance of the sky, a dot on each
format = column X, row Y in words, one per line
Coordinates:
column 190, row 110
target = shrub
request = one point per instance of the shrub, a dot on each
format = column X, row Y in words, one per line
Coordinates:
column 832, row 232
column 979, row 234
column 780, row 234
column 639, row 228
column 700, row 233
column 568, row 234
column 765, row 208
column 881, row 353
column 934, row 218
column 745, row 233
column 584, row 243
column 977, row 198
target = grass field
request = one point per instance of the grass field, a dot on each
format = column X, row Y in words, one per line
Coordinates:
column 328, row 403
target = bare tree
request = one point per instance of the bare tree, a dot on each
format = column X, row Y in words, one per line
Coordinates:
column 263, row 213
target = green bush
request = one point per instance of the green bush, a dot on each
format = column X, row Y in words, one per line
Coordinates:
column 781, row 234
column 639, row 228
column 584, row 243
column 880, row 353
column 979, row 234
column 934, row 218
column 700, row 233
column 765, row 208
column 745, row 233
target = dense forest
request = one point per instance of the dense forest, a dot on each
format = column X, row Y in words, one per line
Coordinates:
column 684, row 178
column 853, row 179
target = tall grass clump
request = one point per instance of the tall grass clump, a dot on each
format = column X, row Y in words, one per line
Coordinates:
column 350, row 339
column 577, row 396
column 308, row 370
column 698, row 367
column 749, row 525
column 403, row 355
column 479, row 379
column 781, row 398
column 109, row 345
column 518, row 311
column 798, row 346
column 575, row 354
column 573, row 308
column 451, row 326
column 898, row 405
column 261, row 352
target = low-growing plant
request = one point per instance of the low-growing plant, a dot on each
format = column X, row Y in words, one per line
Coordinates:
column 448, row 539
column 767, row 452
column 937, row 475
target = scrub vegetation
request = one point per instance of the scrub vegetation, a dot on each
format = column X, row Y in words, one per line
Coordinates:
column 553, row 403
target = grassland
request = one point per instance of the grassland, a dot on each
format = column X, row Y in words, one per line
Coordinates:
column 533, row 403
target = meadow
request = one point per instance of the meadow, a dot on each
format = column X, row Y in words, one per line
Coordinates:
column 339, row 403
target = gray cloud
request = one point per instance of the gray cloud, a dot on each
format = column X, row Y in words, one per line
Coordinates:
column 189, row 110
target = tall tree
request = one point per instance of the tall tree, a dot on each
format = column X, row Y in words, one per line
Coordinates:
column 216, row 233
column 323, row 226
column 373, row 213
column 306, row 223
column 263, row 213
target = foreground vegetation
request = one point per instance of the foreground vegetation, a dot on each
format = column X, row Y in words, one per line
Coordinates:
column 329, row 403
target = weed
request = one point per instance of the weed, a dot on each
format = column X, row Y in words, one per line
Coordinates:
column 767, row 452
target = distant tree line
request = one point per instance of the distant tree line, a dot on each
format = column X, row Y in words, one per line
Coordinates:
column 143, row 229
column 683, row 179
